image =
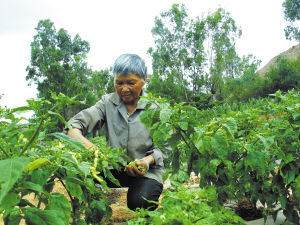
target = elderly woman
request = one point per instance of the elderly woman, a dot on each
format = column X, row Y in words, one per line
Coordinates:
column 120, row 112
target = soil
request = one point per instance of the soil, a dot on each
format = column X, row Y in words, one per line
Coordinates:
column 245, row 209
column 120, row 213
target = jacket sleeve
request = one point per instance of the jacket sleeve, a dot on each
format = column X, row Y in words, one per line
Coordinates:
column 160, row 155
column 89, row 119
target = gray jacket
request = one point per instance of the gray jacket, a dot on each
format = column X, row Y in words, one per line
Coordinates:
column 122, row 130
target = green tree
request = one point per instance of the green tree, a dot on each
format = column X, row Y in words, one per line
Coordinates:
column 249, row 85
column 284, row 75
column 194, row 57
column 101, row 82
column 58, row 65
column 292, row 16
column 221, row 57
column 171, row 57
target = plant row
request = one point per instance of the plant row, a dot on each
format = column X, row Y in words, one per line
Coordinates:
column 253, row 153
column 33, row 162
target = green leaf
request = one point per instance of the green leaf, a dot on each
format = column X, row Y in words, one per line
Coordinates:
column 74, row 189
column 198, row 137
column 174, row 140
column 35, row 216
column 13, row 218
column 288, row 158
column 112, row 178
column 33, row 186
column 97, row 212
column 40, row 176
column 68, row 157
column 10, row 171
column 267, row 141
column 61, row 205
column 183, row 125
column 90, row 185
column 75, row 180
column 160, row 135
column 255, row 159
column 214, row 164
column 71, row 141
column 21, row 109
column 297, row 188
column 288, row 172
column 282, row 201
column 61, row 119
column 165, row 114
column 84, row 167
column 219, row 145
column 230, row 126
column 146, row 117
column 10, row 200
column 295, row 115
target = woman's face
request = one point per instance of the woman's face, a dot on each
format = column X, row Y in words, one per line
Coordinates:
column 129, row 88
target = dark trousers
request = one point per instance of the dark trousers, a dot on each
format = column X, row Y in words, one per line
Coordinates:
column 139, row 189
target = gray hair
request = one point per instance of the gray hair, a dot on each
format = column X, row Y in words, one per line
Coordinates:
column 130, row 63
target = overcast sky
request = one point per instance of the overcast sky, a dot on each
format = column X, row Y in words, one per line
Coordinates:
column 114, row 27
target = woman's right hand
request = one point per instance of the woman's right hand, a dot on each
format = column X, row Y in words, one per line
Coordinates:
column 137, row 168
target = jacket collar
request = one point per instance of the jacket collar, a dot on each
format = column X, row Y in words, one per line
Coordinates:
column 114, row 98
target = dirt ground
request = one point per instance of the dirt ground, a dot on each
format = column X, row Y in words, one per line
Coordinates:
column 120, row 213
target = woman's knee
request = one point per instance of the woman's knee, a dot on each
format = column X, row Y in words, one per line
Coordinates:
column 141, row 200
column 143, row 193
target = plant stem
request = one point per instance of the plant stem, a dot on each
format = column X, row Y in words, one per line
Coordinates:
column 186, row 142
column 70, row 196
column 33, row 137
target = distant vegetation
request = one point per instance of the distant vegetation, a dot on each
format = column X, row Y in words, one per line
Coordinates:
column 194, row 61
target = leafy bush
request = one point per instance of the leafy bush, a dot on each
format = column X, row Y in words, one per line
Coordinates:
column 33, row 161
column 252, row 153
column 285, row 75
column 188, row 206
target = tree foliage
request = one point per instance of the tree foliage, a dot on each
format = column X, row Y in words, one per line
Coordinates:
column 171, row 58
column 195, row 56
column 101, row 82
column 58, row 65
column 57, row 62
column 292, row 16
column 284, row 75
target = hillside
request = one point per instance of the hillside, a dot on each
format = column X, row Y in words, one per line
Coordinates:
column 291, row 53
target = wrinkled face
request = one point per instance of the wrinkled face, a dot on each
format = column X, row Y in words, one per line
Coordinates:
column 129, row 88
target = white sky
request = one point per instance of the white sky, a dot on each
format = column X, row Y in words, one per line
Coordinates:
column 114, row 27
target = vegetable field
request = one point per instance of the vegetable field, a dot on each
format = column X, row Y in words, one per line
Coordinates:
column 240, row 151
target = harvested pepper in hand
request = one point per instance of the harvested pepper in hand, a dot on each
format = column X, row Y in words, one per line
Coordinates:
column 140, row 168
